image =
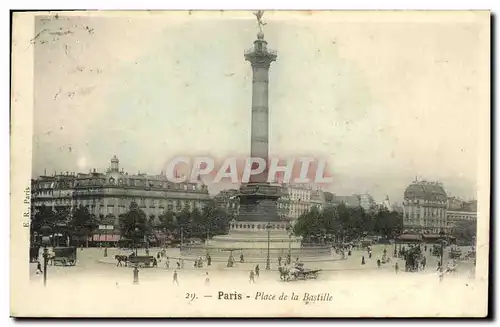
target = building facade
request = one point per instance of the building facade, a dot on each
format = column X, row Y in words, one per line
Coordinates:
column 460, row 211
column 424, row 208
column 367, row 202
column 350, row 201
column 299, row 199
column 110, row 193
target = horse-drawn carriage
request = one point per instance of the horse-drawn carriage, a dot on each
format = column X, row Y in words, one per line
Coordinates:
column 436, row 250
column 413, row 259
column 297, row 273
column 144, row 261
column 65, row 256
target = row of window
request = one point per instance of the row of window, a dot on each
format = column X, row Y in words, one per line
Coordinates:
column 258, row 226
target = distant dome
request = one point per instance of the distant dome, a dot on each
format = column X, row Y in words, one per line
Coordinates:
column 426, row 191
column 260, row 35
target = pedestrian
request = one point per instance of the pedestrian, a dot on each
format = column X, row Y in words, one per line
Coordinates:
column 252, row 277
column 39, row 268
column 396, row 267
column 207, row 279
column 175, row 278
column 279, row 261
column 167, row 263
column 257, row 270
column 136, row 275
column 370, row 254
column 441, row 275
column 349, row 253
column 363, row 260
column 155, row 262
column 209, row 260
column 378, row 263
column 182, row 263
column 178, row 265
column 195, row 263
column 242, row 260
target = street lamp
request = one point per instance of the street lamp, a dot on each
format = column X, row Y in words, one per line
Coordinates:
column 395, row 254
column 182, row 238
column 206, row 243
column 289, row 230
column 268, row 260
column 135, row 238
column 442, row 241
column 46, row 241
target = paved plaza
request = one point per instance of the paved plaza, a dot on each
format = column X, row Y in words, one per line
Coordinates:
column 91, row 261
column 97, row 283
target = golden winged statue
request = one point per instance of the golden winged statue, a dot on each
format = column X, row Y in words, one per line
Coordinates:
column 259, row 15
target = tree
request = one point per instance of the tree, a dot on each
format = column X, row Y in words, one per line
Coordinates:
column 215, row 219
column 198, row 226
column 42, row 216
column 388, row 224
column 168, row 221
column 464, row 231
column 134, row 223
column 184, row 222
column 83, row 223
column 310, row 225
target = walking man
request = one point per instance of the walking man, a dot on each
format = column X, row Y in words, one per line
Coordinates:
column 252, row 277
column 136, row 275
column 257, row 270
column 175, row 278
column 39, row 268
column 207, row 279
column 396, row 267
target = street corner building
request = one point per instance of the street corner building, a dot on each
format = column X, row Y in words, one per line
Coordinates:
column 429, row 211
column 111, row 193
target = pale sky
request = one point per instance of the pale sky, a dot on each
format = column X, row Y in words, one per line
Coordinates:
column 383, row 98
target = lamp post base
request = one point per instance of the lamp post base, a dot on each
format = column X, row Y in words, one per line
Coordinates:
column 45, row 259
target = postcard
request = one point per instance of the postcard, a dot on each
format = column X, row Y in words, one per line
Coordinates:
column 250, row 164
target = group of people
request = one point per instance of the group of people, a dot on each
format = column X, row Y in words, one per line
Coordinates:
column 253, row 275
column 343, row 250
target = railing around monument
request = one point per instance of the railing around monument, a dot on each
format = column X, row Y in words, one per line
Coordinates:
column 269, row 51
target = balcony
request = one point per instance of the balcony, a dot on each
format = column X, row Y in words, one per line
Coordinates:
column 264, row 51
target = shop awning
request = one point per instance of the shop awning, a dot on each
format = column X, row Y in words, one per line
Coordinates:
column 410, row 238
column 106, row 238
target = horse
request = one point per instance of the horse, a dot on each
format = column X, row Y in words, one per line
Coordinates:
column 120, row 259
column 284, row 273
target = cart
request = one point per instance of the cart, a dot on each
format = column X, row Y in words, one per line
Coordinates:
column 298, row 273
column 65, row 256
column 144, row 261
